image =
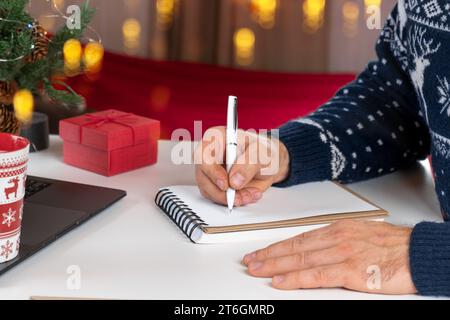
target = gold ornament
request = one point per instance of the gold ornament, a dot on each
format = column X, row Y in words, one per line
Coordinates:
column 23, row 105
column 93, row 56
column 72, row 54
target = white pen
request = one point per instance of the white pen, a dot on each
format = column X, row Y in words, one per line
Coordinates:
column 231, row 148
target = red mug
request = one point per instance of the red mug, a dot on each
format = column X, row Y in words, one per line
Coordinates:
column 14, row 153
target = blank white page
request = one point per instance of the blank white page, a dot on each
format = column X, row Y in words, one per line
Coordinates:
column 303, row 201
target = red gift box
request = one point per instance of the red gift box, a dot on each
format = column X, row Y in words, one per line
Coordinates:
column 110, row 142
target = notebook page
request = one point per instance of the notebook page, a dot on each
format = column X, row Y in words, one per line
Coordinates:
column 319, row 198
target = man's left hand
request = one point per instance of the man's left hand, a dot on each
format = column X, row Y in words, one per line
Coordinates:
column 357, row 255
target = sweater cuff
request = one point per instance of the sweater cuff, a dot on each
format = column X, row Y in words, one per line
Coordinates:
column 310, row 157
column 430, row 258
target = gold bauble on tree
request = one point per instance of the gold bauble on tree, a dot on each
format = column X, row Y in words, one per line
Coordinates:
column 23, row 105
column 93, row 56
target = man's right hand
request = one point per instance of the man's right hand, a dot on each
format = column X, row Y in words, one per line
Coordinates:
column 261, row 162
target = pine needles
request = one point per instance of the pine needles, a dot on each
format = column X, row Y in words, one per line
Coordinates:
column 17, row 41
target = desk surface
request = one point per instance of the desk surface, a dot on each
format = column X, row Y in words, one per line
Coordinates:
column 132, row 251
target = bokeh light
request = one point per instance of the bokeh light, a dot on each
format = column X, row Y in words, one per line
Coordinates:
column 131, row 30
column 165, row 10
column 244, row 46
column 72, row 51
column 160, row 98
column 264, row 12
column 23, row 105
column 313, row 15
column 93, row 57
column 350, row 14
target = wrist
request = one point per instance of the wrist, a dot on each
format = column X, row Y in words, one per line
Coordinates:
column 283, row 172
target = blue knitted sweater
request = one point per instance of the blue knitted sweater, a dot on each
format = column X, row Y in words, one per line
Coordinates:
column 395, row 113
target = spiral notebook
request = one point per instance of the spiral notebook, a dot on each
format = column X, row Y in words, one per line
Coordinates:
column 281, row 212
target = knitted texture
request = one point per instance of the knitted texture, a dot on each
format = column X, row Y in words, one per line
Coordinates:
column 395, row 113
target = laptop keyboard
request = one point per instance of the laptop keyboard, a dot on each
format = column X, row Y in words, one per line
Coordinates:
column 34, row 186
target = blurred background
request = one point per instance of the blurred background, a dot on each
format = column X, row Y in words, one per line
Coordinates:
column 273, row 35
column 178, row 60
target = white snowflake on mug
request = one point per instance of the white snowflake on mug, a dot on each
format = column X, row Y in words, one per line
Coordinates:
column 6, row 249
column 9, row 217
column 444, row 95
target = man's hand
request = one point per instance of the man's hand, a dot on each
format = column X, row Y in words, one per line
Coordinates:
column 362, row 256
column 261, row 163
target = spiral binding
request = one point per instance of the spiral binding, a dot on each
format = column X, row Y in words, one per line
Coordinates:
column 183, row 216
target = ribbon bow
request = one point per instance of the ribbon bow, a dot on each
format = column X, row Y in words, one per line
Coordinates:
column 100, row 120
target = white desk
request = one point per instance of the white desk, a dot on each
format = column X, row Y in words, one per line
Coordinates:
column 132, row 251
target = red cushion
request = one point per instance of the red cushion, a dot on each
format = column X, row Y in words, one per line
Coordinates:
column 178, row 93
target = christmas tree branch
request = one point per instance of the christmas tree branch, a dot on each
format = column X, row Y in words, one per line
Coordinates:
column 17, row 43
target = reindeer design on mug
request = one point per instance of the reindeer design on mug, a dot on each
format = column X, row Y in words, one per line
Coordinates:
column 12, row 190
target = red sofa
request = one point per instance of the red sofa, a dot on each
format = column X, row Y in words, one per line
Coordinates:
column 178, row 93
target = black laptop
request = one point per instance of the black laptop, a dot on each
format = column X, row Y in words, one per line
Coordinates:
column 52, row 208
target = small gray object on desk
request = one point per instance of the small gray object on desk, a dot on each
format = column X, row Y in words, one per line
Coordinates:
column 37, row 132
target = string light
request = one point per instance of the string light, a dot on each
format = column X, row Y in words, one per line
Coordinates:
column 20, row 57
column 131, row 30
column 313, row 15
column 264, row 12
column 56, row 4
column 23, row 105
column 350, row 14
column 165, row 10
column 244, row 44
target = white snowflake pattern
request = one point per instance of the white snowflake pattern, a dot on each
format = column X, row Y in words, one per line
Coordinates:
column 392, row 35
column 9, row 217
column 6, row 249
column 338, row 160
column 441, row 144
column 444, row 95
column 432, row 9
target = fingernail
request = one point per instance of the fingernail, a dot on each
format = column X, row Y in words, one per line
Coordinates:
column 249, row 257
column 221, row 184
column 278, row 279
column 254, row 266
column 237, row 180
